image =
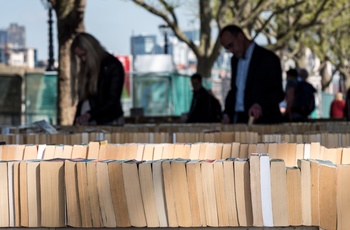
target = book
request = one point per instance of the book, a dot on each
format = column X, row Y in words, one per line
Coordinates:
column 294, row 196
column 305, row 176
column 92, row 194
column 159, row 193
column 315, row 193
column 71, row 192
column 279, row 192
column 265, row 188
column 148, row 194
column 133, row 194
column 84, row 205
column 209, row 195
column 219, row 184
column 10, row 185
column 16, row 193
column 104, row 195
column 118, row 194
column 180, row 192
column 23, row 194
column 327, row 195
column 52, row 194
column 79, row 151
column 243, row 195
column 4, row 194
column 343, row 199
column 169, row 194
column 33, row 191
column 230, row 193
column 255, row 190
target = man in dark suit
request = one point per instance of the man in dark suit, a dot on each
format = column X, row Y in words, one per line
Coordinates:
column 256, row 83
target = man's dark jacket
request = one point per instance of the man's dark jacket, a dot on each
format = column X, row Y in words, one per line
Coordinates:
column 263, row 86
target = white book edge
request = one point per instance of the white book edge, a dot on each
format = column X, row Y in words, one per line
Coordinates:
column 265, row 183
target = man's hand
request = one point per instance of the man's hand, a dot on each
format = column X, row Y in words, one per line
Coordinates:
column 83, row 119
column 255, row 111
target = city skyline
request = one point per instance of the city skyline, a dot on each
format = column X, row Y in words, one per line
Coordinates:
column 99, row 21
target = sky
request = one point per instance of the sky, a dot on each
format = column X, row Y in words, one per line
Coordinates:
column 112, row 22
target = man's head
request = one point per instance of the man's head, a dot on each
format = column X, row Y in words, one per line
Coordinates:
column 303, row 74
column 233, row 39
column 292, row 73
column 196, row 81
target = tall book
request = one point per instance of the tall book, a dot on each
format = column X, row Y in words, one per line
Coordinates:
column 92, row 194
column 255, row 189
column 180, row 190
column 52, row 194
column 148, row 195
column 23, row 194
column 159, row 193
column 305, row 176
column 343, row 198
column 294, row 196
column 265, row 188
column 219, row 184
column 16, row 192
column 169, row 194
column 279, row 192
column 104, row 195
column 10, row 185
column 133, row 194
column 72, row 196
column 4, row 196
column 230, row 193
column 209, row 195
column 327, row 195
column 243, row 195
column 33, row 191
column 315, row 214
column 116, row 181
column 84, row 204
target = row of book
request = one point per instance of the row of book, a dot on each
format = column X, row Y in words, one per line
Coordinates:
column 102, row 150
column 325, row 138
column 256, row 191
column 304, row 127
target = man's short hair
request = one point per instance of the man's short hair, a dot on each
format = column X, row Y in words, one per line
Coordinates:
column 233, row 29
column 292, row 72
column 196, row 76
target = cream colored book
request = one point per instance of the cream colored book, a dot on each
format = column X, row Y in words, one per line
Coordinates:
column 105, row 196
column 279, row 192
column 159, row 192
column 265, row 188
column 4, row 194
column 16, row 192
column 11, row 185
column 33, row 191
column 219, row 184
column 243, row 195
column 343, row 199
column 209, row 194
column 133, row 194
column 255, row 189
column 52, row 194
column 315, row 213
column 79, row 151
column 85, row 209
column 116, row 181
column 169, row 194
column 148, row 195
column 230, row 193
column 294, row 196
column 305, row 175
column 327, row 195
column 180, row 191
column 92, row 194
column 23, row 194
column 71, row 192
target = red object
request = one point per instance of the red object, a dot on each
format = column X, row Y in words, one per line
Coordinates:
column 125, row 60
column 337, row 109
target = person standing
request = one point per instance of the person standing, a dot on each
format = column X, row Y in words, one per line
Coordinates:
column 97, row 82
column 337, row 106
column 205, row 108
column 256, row 82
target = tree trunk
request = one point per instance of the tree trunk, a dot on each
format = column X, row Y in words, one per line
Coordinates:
column 70, row 21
